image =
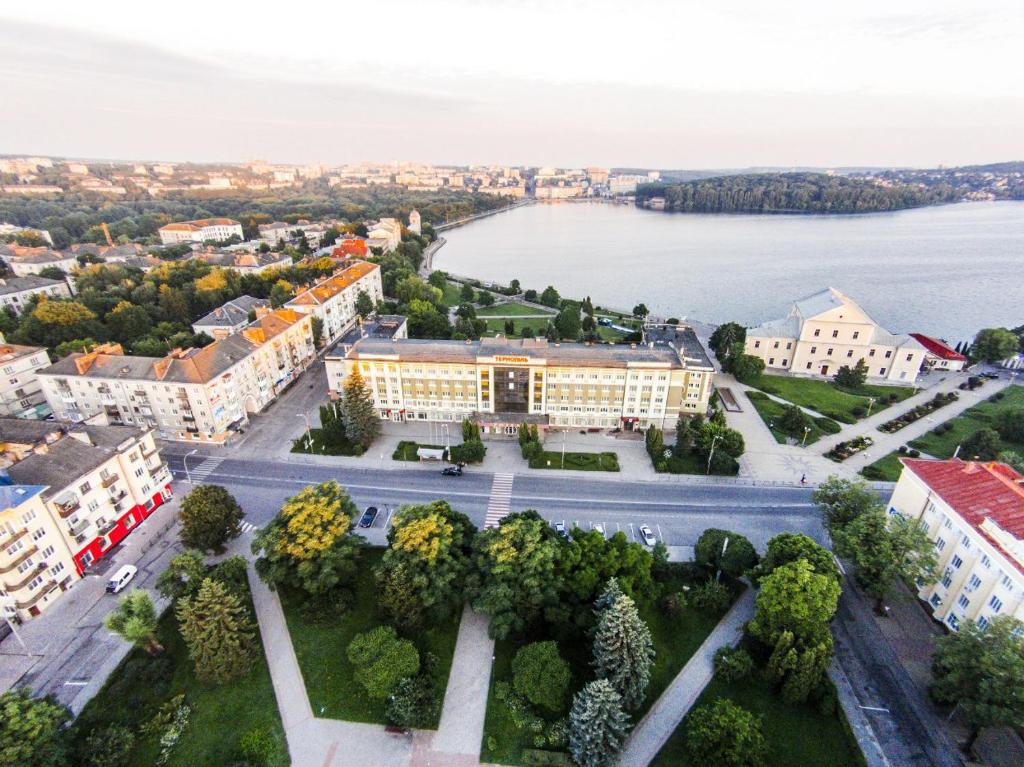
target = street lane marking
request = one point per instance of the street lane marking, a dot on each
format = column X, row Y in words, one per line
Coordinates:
column 202, row 472
column 500, row 501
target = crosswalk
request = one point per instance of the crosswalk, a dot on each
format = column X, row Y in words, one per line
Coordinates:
column 202, row 472
column 499, row 503
column 248, row 527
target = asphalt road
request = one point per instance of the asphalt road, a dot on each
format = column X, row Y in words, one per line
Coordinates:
column 677, row 513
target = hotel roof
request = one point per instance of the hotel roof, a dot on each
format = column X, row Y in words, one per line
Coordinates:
column 324, row 291
column 938, row 347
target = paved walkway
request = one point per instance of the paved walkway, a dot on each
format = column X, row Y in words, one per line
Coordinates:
column 671, row 708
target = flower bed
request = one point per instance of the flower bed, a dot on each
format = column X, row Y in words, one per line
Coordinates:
column 844, row 450
column 919, row 412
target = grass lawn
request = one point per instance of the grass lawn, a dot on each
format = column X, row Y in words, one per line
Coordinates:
column 539, row 325
column 610, row 334
column 321, row 645
column 823, row 397
column 220, row 714
column 511, row 308
column 406, row 451
column 553, row 459
column 796, row 734
column 452, row 296
column 771, row 413
column 885, row 469
column 694, row 464
column 319, row 448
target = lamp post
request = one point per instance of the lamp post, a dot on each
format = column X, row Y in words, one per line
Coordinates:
column 14, row 629
column 803, row 442
column 711, row 453
column 563, row 448
column 309, row 431
column 725, row 545
column 184, row 462
column 871, row 404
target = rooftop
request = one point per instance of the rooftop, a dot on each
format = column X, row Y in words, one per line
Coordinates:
column 10, row 352
column 332, row 286
column 233, row 312
column 384, row 326
column 10, row 285
column 12, row 496
column 199, row 223
column 63, row 462
column 683, row 338
column 938, row 347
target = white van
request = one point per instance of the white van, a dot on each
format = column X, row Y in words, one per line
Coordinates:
column 121, row 578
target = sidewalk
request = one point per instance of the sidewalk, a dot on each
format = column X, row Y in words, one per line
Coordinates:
column 671, row 708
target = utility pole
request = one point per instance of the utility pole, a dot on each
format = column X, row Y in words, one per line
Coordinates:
column 184, row 461
column 871, row 404
column 309, row 434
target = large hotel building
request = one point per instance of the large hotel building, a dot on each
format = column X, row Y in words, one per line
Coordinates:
column 501, row 382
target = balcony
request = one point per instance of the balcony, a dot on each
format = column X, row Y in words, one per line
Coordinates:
column 108, row 480
column 117, row 495
column 106, row 527
column 42, row 592
column 9, row 587
column 14, row 538
column 146, row 456
column 24, row 555
column 78, row 529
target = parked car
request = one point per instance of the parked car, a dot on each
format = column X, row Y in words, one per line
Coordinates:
column 599, row 527
column 452, row 471
column 368, row 516
column 560, row 529
column 121, row 578
column 647, row 535
column 606, row 321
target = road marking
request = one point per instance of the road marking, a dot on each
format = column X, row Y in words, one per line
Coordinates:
column 248, row 527
column 201, row 472
column 500, row 502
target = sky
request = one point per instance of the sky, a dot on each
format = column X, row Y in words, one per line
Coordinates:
column 525, row 82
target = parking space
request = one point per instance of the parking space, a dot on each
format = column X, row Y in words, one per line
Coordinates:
column 608, row 526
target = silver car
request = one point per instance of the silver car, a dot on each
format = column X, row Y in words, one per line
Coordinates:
column 647, row 535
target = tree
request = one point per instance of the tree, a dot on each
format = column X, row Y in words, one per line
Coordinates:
column 219, row 632
column 381, row 659
column 597, row 725
column 994, row 344
column 640, row 310
column 684, row 436
column 540, row 675
column 510, row 328
column 727, row 443
column 52, row 322
column 794, row 421
column 624, row 651
column 182, row 577
column 31, row 730
column 514, row 287
column 438, row 279
column 466, row 311
column 467, row 293
column 316, row 327
column 550, row 297
column 515, row 572
column 425, row 321
column 852, row 378
column 725, row 337
column 981, row 672
column 485, row 298
column 280, row 294
column 127, row 322
column 1012, row 459
column 722, row 734
column 308, row 545
column 530, row 295
column 725, row 551
column 412, row 703
column 744, row 367
column 843, row 500
column 789, row 547
column 135, row 621
column 362, row 425
column 109, row 747
column 885, row 551
column 982, row 445
column 1010, row 425
column 568, row 322
column 794, row 598
column 733, row 663
column 210, row 517
column 412, row 288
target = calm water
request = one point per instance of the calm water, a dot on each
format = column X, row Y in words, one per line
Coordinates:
column 945, row 271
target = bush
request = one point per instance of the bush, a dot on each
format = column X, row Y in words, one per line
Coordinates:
column 673, row 604
column 859, row 411
column 468, row 452
column 711, row 597
column 914, row 453
column 110, row 747
column 382, row 660
column 541, row 675
column 733, row 663
column 412, row 703
column 258, row 747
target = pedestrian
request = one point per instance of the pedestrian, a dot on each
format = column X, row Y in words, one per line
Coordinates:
column 803, row 479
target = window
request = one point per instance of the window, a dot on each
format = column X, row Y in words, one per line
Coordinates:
column 888, row 354
column 835, row 334
column 829, row 354
column 940, row 544
column 963, row 602
column 871, row 352
column 46, row 552
column 956, row 562
column 985, row 561
column 37, row 534
column 808, row 365
column 817, row 332
column 881, row 371
column 57, row 569
column 974, row 582
column 982, row 622
column 946, row 580
column 789, row 344
column 1007, row 583
column 965, row 542
column 757, row 344
column 93, row 505
column 856, row 335
column 947, row 523
column 784, row 361
column 814, row 350
column 996, row 604
column 771, row 360
column 849, row 353
column 910, row 358
column 35, row 582
column 28, row 516
column 133, row 456
column 953, row 621
column 936, row 600
column 140, row 471
column 775, row 345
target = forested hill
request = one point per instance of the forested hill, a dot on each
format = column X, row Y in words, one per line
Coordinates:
column 792, row 193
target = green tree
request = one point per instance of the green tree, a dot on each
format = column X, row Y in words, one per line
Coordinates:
column 280, row 294
column 851, row 378
column 624, row 651
column 412, row 703
column 733, row 663
column 684, row 436
column 128, row 322
column 1010, row 425
column 514, row 287
column 362, row 425
column 722, row 734
column 219, row 633
column 308, row 544
column 182, row 577
column 210, row 517
column 789, row 547
column 640, row 310
column 31, row 730
column 540, row 675
column 381, row 659
column 597, row 725
column 725, row 337
column 794, row 421
column 744, row 367
column 725, row 551
column 843, row 500
column 413, row 288
column 550, row 297
column 425, row 321
column 981, row 672
column 982, row 445
column 466, row 293
column 109, row 747
column 438, row 279
column 794, row 598
column 994, row 344
column 135, row 621
column 317, row 329
column 485, row 298
column 510, row 328
column 53, row 322
column 568, row 322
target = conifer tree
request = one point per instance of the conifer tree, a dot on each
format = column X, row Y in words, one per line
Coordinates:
column 623, row 651
column 362, row 424
column 597, row 725
column 219, row 633
column 610, row 595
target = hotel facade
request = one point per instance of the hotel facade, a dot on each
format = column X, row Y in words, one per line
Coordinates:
column 501, row 382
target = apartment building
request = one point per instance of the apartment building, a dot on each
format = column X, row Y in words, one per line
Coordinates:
column 246, row 263
column 827, row 330
column 21, row 395
column 974, row 513
column 200, row 230
column 24, row 261
column 96, row 485
column 15, row 292
column 333, row 299
column 193, row 394
column 230, row 317
column 500, row 382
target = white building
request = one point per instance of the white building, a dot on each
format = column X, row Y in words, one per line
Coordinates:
column 26, row 261
column 15, row 292
column 333, row 300
column 200, row 230
column 21, row 394
column 11, row 229
column 387, row 233
column 229, row 318
column 415, row 225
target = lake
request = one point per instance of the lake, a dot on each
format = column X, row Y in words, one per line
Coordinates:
column 945, row 271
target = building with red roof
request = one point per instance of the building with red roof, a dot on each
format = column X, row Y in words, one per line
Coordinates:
column 940, row 355
column 352, row 246
column 974, row 513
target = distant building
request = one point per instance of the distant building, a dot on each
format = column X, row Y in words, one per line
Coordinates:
column 939, row 355
column 200, row 230
column 275, row 232
column 26, row 261
column 246, row 263
column 827, row 330
column 974, row 513
column 78, row 168
column 414, row 222
column 229, row 318
column 16, row 291
column 333, row 300
column 351, row 247
column 21, row 394
column 11, row 229
column 387, row 232
column 597, row 175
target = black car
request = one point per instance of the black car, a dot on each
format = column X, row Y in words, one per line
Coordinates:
column 452, row 471
column 368, row 516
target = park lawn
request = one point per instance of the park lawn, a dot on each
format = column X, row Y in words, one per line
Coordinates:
column 553, row 459
column 539, row 325
column 825, row 398
column 694, row 464
column 609, row 334
column 220, row 715
column 321, row 647
column 451, row 296
column 797, row 734
column 406, row 451
column 319, row 448
column 984, row 415
column 771, row 412
column 886, row 469
column 510, row 309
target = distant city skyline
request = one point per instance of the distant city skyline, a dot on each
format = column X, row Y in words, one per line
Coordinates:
column 653, row 85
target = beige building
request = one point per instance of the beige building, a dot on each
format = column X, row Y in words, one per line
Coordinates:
column 827, row 330
column 21, row 394
column 974, row 513
column 83, row 490
column 200, row 230
column 193, row 394
column 500, row 382
column 385, row 234
column 333, row 300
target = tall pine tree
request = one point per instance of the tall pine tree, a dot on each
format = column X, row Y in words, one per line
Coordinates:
column 219, row 633
column 362, row 424
column 623, row 651
column 597, row 725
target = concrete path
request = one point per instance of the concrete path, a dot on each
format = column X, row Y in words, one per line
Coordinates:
column 671, row 708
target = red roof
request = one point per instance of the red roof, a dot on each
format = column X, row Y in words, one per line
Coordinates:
column 977, row 491
column 350, row 248
column 938, row 347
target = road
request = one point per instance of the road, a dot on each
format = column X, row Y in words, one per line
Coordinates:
column 679, row 512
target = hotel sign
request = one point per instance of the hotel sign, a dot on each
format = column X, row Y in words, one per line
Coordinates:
column 502, row 358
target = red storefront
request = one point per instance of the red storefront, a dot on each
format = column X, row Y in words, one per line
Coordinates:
column 120, row 530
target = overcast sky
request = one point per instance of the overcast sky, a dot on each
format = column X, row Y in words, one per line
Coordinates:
column 652, row 84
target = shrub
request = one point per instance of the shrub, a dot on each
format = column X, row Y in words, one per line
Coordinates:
column 711, row 597
column 412, row 703
column 672, row 604
column 914, row 453
column 902, row 449
column 541, row 675
column 258, row 747
column 733, row 663
column 468, row 452
column 382, row 660
column 858, row 411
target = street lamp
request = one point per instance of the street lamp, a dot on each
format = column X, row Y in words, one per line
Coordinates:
column 14, row 630
column 807, row 430
column 711, row 454
column 725, row 545
column 309, row 435
column 871, row 403
column 184, row 462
